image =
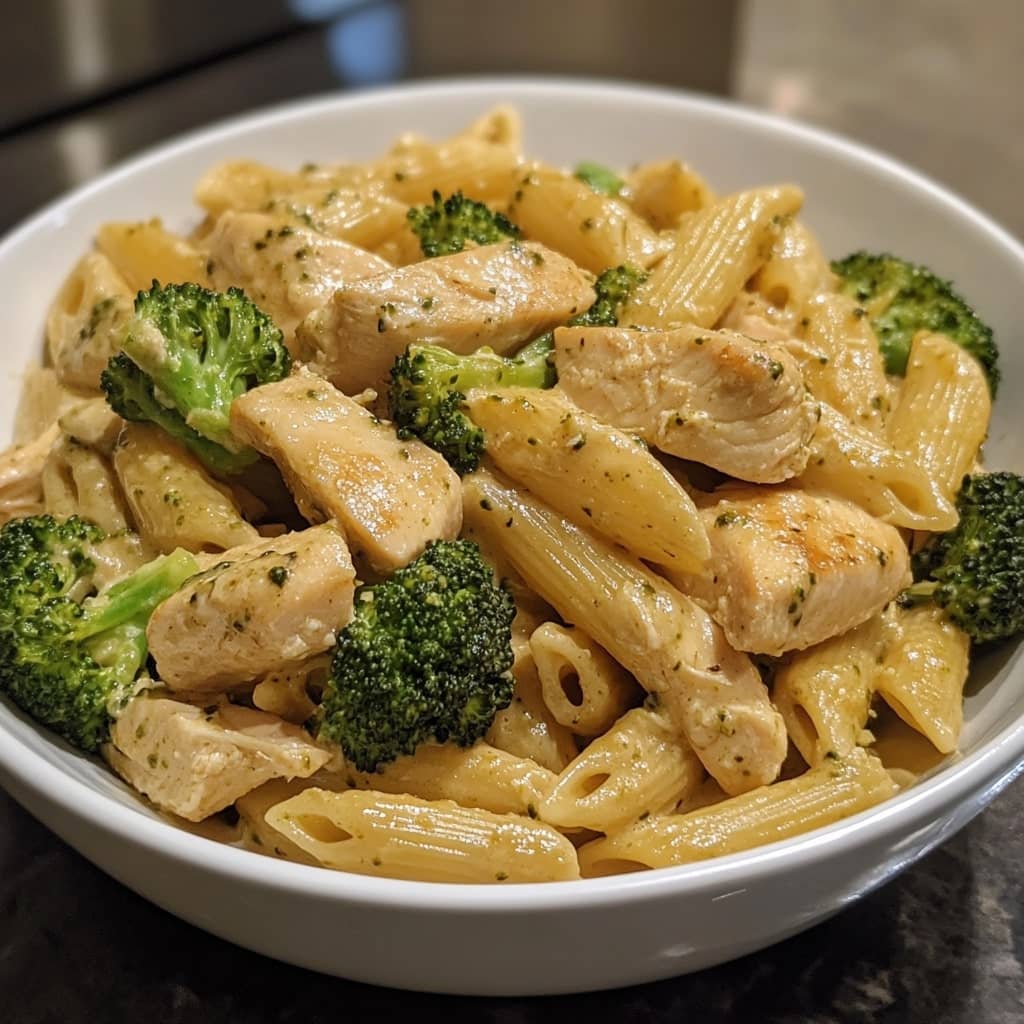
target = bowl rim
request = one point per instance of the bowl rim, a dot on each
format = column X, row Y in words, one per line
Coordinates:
column 986, row 770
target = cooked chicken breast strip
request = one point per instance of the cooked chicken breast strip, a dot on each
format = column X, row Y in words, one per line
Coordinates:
column 389, row 496
column 261, row 608
column 288, row 271
column 195, row 762
column 714, row 397
column 791, row 569
column 497, row 295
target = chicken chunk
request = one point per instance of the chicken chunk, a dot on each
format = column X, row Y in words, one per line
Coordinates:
column 389, row 496
column 287, row 271
column 195, row 762
column 714, row 397
column 792, row 569
column 497, row 295
column 263, row 607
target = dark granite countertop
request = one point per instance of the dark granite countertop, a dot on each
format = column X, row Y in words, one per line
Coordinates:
column 936, row 83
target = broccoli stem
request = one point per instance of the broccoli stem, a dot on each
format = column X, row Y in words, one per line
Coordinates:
column 530, row 368
column 131, row 601
column 918, row 593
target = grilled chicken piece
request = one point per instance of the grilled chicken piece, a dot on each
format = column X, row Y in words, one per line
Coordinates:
column 497, row 295
column 193, row 762
column 714, row 397
column 389, row 496
column 261, row 608
column 287, row 271
column 792, row 569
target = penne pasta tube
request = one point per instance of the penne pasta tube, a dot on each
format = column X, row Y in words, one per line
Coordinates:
column 77, row 480
column 716, row 251
column 850, row 461
column 583, row 686
column 839, row 787
column 664, row 639
column 397, row 836
column 478, row 776
column 923, row 673
column 664, row 190
column 637, row 768
column 146, row 251
column 599, row 477
column 595, row 231
column 824, row 693
column 841, row 361
column 942, row 412
column 527, row 728
column 173, row 500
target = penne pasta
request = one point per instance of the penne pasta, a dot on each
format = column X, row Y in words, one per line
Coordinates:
column 639, row 767
column 824, row 693
column 527, row 728
column 583, row 686
column 841, row 361
column 146, row 251
column 479, row 776
column 850, row 461
column 393, row 836
column 942, row 411
column 923, row 673
column 85, row 320
column 716, row 250
column 667, row 642
column 595, row 231
column 597, row 476
column 174, row 501
column 839, row 787
column 663, row 191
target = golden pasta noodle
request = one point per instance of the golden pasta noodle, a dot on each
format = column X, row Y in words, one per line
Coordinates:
column 399, row 836
column 583, row 686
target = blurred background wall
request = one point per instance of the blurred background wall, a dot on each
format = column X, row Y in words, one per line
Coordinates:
column 937, row 83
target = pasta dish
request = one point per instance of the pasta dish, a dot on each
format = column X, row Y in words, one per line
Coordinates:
column 457, row 517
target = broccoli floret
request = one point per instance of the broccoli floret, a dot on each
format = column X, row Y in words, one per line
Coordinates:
column 425, row 657
column 599, row 178
column 976, row 570
column 612, row 287
column 188, row 353
column 68, row 657
column 902, row 299
column 429, row 383
column 447, row 225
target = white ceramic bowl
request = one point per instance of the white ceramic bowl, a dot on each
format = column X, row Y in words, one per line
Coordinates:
column 532, row 938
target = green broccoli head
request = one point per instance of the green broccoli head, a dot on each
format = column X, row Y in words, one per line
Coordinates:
column 426, row 657
column 976, row 570
column 68, row 657
column 447, row 225
column 188, row 353
column 429, row 385
column 599, row 178
column 902, row 299
column 612, row 289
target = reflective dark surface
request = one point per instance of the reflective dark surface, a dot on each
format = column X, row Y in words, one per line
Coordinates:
column 84, row 83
